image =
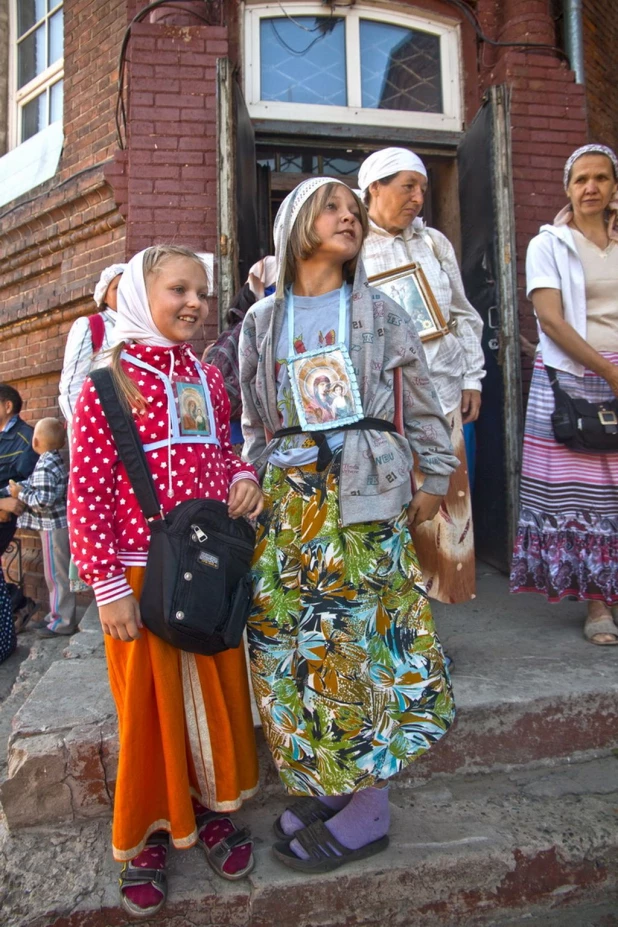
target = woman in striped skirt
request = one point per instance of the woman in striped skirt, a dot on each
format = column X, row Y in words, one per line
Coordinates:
column 567, row 537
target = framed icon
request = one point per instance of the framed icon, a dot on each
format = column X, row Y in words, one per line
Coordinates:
column 408, row 287
column 325, row 389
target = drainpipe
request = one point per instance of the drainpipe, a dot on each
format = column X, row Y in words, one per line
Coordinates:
column 574, row 38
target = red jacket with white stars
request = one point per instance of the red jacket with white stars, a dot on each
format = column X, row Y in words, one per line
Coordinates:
column 107, row 529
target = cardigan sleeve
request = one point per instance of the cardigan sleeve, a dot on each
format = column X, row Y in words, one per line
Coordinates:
column 252, row 423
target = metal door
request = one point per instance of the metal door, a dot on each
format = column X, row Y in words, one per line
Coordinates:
column 489, row 273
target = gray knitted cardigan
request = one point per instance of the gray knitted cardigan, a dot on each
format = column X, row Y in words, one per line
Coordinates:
column 376, row 465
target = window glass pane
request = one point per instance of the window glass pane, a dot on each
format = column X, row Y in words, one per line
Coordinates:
column 341, row 166
column 31, row 56
column 55, row 37
column 33, row 116
column 52, row 4
column 28, row 13
column 55, row 102
column 400, row 68
column 303, row 61
column 298, row 163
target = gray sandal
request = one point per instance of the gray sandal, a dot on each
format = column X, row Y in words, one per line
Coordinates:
column 325, row 851
column 601, row 626
column 134, row 875
column 219, row 854
column 307, row 810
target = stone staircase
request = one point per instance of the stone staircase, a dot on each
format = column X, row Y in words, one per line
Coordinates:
column 511, row 820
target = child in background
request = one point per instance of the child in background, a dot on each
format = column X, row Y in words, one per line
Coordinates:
column 44, row 495
column 187, row 749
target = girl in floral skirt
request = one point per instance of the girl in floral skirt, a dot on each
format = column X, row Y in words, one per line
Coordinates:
column 347, row 671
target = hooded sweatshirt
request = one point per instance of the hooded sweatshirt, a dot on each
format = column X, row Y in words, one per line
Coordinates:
column 376, row 466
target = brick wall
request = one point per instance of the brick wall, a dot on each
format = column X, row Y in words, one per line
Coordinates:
column 548, row 122
column 56, row 239
column 601, row 69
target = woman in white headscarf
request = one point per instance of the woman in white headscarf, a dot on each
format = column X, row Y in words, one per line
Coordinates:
column 87, row 336
column 567, row 537
column 348, row 674
column 393, row 184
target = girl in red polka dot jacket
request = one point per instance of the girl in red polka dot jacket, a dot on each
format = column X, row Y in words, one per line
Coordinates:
column 187, row 750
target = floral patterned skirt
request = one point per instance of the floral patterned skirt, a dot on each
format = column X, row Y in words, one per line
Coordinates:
column 567, row 536
column 348, row 674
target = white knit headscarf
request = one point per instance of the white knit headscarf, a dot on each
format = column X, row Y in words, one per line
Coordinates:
column 134, row 318
column 287, row 215
column 386, row 162
column 100, row 290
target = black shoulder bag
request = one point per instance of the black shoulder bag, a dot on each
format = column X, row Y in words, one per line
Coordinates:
column 582, row 425
column 197, row 589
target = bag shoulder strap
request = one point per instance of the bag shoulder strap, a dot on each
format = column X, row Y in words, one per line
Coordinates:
column 552, row 376
column 128, row 442
column 97, row 331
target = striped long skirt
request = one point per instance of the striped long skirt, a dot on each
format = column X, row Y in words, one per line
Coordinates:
column 567, row 536
column 348, row 674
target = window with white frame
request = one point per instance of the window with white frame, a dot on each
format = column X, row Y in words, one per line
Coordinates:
column 37, row 65
column 356, row 64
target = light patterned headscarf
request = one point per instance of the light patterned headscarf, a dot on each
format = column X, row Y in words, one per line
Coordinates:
column 566, row 213
column 287, row 215
column 100, row 290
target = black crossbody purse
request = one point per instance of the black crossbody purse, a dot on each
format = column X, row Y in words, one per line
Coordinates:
column 197, row 590
column 582, row 425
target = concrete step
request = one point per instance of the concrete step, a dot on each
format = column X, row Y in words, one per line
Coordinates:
column 529, row 691
column 529, row 848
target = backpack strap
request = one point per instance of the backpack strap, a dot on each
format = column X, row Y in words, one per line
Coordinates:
column 97, row 331
column 128, row 442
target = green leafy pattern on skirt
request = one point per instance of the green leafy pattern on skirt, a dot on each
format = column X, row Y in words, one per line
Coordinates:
column 348, row 674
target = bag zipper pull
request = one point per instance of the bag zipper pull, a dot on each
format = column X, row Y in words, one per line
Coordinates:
column 199, row 535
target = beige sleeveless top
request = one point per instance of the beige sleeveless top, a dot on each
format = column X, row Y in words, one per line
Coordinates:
column 601, row 276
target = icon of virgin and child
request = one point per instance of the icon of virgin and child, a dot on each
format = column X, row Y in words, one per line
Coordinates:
column 325, row 392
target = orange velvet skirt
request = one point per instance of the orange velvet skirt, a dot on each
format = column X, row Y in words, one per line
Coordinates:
column 185, row 729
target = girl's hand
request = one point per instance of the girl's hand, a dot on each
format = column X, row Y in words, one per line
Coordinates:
column 121, row 619
column 245, row 499
column 424, row 507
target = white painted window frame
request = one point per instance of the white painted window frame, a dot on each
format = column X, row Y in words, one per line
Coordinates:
column 448, row 32
column 18, row 98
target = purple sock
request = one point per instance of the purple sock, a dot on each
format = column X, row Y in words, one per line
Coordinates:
column 290, row 824
column 365, row 819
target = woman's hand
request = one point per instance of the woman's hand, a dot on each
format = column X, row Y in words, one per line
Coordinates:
column 470, row 405
column 121, row 619
column 611, row 378
column 245, row 499
column 15, row 489
column 424, row 507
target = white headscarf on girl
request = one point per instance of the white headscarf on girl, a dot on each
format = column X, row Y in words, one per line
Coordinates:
column 566, row 213
column 134, row 318
column 287, row 215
